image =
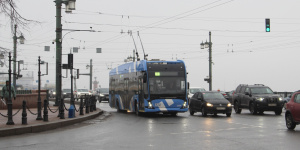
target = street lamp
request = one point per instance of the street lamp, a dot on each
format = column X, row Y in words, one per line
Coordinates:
column 208, row 45
column 15, row 53
column 70, row 5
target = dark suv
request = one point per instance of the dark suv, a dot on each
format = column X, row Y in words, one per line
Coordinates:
column 257, row 98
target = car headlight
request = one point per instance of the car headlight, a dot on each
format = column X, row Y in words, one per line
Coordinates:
column 79, row 93
column 65, row 93
column 150, row 105
column 229, row 105
column 54, row 92
column 280, row 98
column 260, row 98
column 101, row 95
column 209, row 105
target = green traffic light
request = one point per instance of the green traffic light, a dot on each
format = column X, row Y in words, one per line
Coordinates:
column 268, row 29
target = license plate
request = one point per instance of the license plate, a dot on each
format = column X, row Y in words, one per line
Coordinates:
column 272, row 105
column 220, row 108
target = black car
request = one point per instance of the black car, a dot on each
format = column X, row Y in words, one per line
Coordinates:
column 210, row 102
column 103, row 94
column 257, row 98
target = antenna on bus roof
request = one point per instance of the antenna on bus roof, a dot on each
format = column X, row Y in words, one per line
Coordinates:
column 145, row 55
column 137, row 54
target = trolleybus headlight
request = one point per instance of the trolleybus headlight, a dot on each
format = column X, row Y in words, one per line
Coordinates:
column 209, row 105
column 150, row 105
column 184, row 105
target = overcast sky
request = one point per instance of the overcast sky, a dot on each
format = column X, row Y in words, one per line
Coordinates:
column 243, row 53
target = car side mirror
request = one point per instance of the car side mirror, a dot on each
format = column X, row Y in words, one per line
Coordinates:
column 247, row 93
column 199, row 98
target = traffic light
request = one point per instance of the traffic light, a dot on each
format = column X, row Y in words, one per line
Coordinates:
column 267, row 25
column 207, row 80
column 70, row 61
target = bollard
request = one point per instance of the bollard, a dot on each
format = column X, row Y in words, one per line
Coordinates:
column 61, row 109
column 91, row 104
column 24, row 113
column 95, row 102
column 87, row 108
column 46, row 110
column 81, row 107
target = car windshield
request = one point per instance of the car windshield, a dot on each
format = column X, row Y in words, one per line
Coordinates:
column 261, row 90
column 213, row 96
column 66, row 90
column 83, row 90
column 104, row 90
column 194, row 90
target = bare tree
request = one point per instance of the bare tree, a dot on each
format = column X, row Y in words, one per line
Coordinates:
column 9, row 9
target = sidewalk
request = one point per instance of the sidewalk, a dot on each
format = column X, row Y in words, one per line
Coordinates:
column 34, row 125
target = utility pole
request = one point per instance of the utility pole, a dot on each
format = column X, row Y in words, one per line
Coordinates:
column 210, row 62
column 15, row 75
column 15, row 58
column 209, row 46
column 58, row 41
column 91, row 74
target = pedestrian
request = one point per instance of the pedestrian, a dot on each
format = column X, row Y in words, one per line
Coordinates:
column 6, row 90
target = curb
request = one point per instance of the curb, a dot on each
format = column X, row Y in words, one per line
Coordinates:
column 47, row 126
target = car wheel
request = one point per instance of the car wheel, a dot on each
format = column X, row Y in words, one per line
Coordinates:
column 228, row 114
column 204, row 114
column 252, row 108
column 191, row 112
column 236, row 108
column 278, row 112
column 290, row 124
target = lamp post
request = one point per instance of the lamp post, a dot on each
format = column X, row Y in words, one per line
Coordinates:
column 70, row 5
column 15, row 54
column 208, row 45
column 39, row 103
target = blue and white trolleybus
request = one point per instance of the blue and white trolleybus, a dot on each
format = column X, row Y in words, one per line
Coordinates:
column 149, row 87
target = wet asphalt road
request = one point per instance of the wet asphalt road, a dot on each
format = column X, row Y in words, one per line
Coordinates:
column 114, row 131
